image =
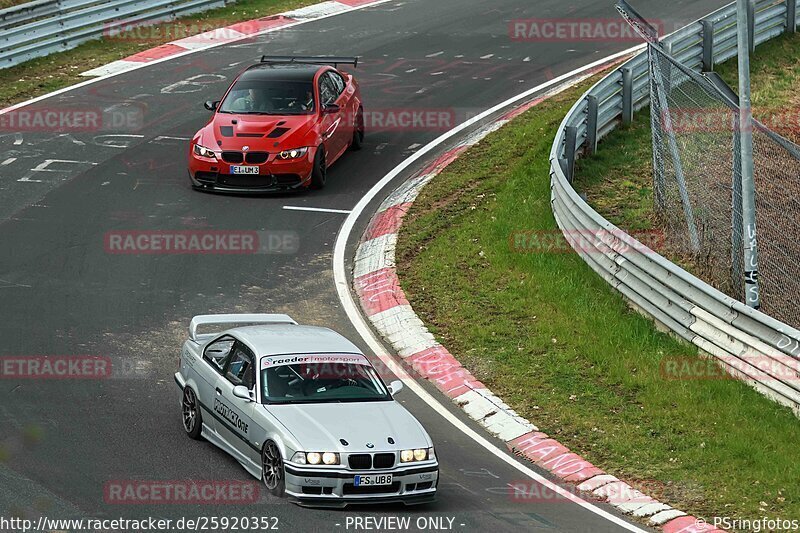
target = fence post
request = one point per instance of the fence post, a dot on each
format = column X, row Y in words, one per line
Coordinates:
column 750, row 252
column 791, row 16
column 751, row 25
column 569, row 151
column 708, row 45
column 627, row 95
column 737, row 224
column 591, row 124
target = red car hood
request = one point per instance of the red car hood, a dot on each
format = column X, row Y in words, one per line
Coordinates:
column 269, row 133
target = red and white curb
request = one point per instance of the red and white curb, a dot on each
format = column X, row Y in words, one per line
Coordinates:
column 230, row 34
column 383, row 302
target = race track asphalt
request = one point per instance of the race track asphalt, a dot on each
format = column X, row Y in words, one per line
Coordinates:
column 64, row 294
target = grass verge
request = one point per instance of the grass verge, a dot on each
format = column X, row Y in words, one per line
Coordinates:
column 43, row 75
column 550, row 337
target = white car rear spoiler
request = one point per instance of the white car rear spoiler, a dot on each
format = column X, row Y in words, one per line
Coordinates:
column 240, row 319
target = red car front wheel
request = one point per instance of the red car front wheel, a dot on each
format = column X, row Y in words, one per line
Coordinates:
column 319, row 172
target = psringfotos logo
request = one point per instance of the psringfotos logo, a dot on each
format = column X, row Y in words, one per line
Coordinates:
column 575, row 30
column 55, row 367
column 216, row 492
column 201, row 242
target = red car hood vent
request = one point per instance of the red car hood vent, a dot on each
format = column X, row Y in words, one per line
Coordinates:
column 273, row 129
column 277, row 132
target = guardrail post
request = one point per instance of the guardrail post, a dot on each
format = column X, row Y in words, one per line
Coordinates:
column 591, row 124
column 708, row 45
column 751, row 25
column 791, row 16
column 571, row 140
column 627, row 95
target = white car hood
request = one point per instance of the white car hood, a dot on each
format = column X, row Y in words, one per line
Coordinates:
column 319, row 427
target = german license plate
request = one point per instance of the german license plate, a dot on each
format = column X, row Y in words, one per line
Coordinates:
column 243, row 170
column 373, row 480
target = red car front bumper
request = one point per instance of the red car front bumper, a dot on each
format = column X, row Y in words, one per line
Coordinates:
column 274, row 174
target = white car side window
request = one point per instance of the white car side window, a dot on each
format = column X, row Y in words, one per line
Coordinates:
column 240, row 370
column 217, row 353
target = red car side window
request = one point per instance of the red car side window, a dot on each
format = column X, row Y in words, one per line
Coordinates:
column 327, row 90
column 338, row 81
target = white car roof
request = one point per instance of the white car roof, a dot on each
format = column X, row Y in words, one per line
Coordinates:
column 276, row 339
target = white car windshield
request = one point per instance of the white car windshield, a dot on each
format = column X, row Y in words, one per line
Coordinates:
column 319, row 381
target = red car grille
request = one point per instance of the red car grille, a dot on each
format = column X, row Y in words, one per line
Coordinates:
column 232, row 157
column 254, row 158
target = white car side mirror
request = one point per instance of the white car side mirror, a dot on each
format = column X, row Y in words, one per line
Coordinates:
column 395, row 387
column 240, row 391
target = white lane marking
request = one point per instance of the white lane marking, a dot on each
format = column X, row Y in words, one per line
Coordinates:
column 116, row 140
column 176, row 56
column 160, row 138
column 8, row 161
column 192, row 84
column 358, row 321
column 487, row 56
column 17, row 138
column 316, row 209
column 435, row 54
column 42, row 167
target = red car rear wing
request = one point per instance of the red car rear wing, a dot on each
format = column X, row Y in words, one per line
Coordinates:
column 313, row 60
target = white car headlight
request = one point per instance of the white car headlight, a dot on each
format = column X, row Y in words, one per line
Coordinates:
column 315, row 458
column 299, row 458
column 417, row 454
column 202, row 151
column 294, row 153
column 330, row 458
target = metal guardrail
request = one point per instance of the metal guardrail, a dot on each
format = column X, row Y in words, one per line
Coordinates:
column 43, row 27
column 750, row 345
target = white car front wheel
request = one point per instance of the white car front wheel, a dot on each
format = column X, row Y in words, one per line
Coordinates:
column 273, row 473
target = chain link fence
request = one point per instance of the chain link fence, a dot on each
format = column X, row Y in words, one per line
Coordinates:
column 697, row 185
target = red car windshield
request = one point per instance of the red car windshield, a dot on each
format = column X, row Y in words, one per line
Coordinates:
column 258, row 97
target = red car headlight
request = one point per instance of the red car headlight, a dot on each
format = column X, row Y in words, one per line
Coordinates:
column 202, row 151
column 294, row 153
